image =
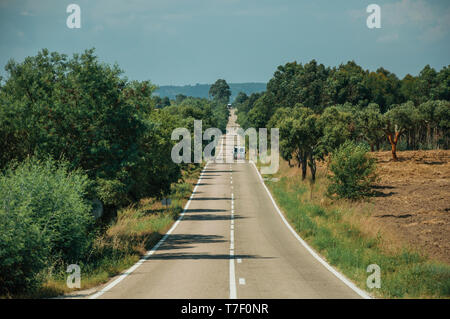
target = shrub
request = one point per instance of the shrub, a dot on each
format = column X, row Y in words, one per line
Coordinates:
column 87, row 112
column 23, row 251
column 44, row 218
column 353, row 171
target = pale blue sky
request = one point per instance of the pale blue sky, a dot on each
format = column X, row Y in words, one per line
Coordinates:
column 197, row 41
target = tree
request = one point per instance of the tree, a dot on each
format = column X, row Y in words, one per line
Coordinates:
column 442, row 89
column 409, row 89
column 300, row 133
column 220, row 91
column 240, row 98
column 370, row 124
column 84, row 111
column 353, row 172
column 427, row 83
column 165, row 101
column 337, row 123
column 346, row 85
column 397, row 121
column 384, row 88
column 296, row 83
column 179, row 98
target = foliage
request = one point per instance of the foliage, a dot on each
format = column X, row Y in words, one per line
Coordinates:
column 45, row 219
column 353, row 171
column 220, row 91
column 84, row 111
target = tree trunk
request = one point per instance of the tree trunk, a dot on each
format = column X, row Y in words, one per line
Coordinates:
column 372, row 148
column 302, row 160
column 393, row 140
column 312, row 167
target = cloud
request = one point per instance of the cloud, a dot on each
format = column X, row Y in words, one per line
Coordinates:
column 430, row 21
column 27, row 14
column 407, row 12
column 388, row 38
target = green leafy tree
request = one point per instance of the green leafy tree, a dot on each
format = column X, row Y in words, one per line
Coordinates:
column 353, row 172
column 45, row 220
column 427, row 83
column 300, row 134
column 346, row 85
column 240, row 98
column 84, row 111
column 220, row 91
column 397, row 121
column 442, row 90
column 384, row 88
column 409, row 89
column 370, row 124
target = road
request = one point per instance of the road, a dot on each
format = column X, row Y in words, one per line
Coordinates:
column 230, row 243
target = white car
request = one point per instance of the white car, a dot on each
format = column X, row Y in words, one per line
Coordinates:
column 239, row 152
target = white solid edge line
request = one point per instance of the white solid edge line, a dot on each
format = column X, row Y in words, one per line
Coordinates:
column 123, row 275
column 346, row 281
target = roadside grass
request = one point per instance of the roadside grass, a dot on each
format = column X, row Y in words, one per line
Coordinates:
column 339, row 231
column 136, row 229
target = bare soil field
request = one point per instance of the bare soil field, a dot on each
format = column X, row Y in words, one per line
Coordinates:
column 413, row 203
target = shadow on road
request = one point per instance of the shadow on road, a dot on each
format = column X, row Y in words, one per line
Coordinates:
column 211, row 198
column 211, row 217
column 205, row 256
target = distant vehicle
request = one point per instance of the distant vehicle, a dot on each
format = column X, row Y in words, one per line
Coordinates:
column 229, row 106
column 239, row 152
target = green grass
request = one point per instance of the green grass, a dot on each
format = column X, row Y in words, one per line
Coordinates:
column 136, row 229
column 404, row 273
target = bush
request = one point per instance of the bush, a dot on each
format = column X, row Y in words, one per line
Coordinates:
column 44, row 219
column 85, row 111
column 353, row 171
column 23, row 251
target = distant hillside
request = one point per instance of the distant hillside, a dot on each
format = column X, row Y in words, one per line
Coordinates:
column 201, row 90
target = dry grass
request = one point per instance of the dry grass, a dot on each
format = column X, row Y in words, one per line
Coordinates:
column 345, row 233
column 136, row 229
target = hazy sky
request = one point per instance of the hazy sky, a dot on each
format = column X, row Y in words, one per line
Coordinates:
column 198, row 41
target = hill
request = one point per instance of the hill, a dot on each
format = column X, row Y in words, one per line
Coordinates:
column 201, row 90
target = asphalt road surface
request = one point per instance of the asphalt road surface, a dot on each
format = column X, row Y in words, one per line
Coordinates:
column 230, row 243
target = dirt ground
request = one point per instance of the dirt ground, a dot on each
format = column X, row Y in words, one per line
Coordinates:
column 412, row 205
column 413, row 201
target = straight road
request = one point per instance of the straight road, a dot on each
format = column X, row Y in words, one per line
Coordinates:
column 230, row 243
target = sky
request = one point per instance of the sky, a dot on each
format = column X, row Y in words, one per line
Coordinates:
column 178, row 42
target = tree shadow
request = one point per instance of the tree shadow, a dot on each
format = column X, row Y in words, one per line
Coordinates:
column 211, row 198
column 380, row 193
column 186, row 241
column 196, row 256
column 395, row 216
column 205, row 210
column 220, row 171
column 211, row 217
column 433, row 163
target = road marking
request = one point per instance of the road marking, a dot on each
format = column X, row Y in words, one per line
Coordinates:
column 123, row 275
column 346, row 281
column 233, row 293
column 241, row 281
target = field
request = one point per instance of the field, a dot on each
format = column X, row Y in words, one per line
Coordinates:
column 413, row 204
column 404, row 228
